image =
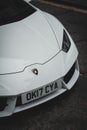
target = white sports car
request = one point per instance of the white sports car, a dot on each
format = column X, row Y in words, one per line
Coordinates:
column 38, row 58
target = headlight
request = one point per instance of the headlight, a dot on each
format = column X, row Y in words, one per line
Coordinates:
column 66, row 42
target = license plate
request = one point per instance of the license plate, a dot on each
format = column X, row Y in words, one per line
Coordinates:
column 39, row 93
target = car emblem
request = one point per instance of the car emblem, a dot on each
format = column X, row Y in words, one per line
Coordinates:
column 35, row 71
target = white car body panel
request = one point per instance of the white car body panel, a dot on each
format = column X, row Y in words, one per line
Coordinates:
column 27, row 1
column 34, row 42
column 31, row 36
column 56, row 26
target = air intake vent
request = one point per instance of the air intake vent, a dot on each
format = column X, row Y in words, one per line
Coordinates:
column 69, row 75
column 3, row 103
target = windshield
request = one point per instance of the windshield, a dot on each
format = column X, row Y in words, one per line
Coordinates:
column 14, row 10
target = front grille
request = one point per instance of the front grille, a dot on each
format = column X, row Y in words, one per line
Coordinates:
column 19, row 102
column 69, row 75
column 3, row 103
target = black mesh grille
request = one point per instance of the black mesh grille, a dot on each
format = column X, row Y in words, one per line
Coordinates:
column 3, row 103
column 69, row 75
column 19, row 102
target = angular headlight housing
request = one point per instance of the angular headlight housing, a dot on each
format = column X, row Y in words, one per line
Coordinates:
column 66, row 42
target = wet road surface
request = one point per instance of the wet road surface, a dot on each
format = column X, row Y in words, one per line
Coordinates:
column 68, row 111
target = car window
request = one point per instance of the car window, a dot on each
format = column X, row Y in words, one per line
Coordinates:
column 14, row 10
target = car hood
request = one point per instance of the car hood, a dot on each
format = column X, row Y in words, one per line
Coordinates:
column 26, row 42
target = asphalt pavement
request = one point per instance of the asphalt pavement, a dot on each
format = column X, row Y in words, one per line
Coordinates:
column 69, row 110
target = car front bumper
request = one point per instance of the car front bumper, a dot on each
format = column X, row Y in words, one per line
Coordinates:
column 63, row 67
